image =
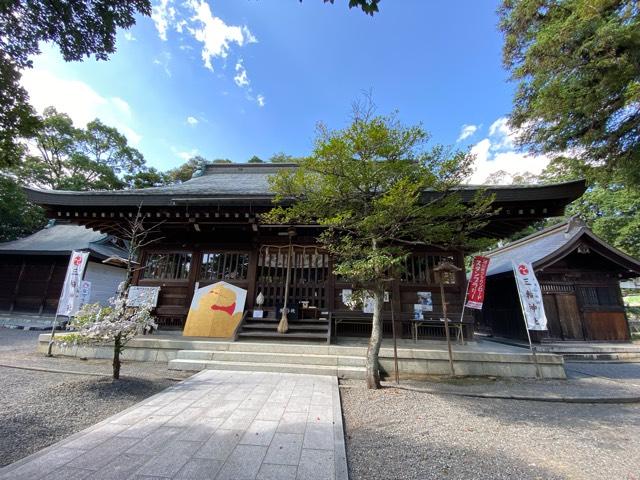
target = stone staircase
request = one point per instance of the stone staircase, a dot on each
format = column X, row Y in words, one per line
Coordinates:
column 318, row 329
column 272, row 357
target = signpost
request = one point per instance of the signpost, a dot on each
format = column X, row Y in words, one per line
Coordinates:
column 530, row 296
column 70, row 299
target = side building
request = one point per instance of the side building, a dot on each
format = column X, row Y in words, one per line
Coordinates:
column 579, row 275
column 33, row 268
column 209, row 230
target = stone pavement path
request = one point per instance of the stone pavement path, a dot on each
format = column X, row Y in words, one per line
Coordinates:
column 219, row 425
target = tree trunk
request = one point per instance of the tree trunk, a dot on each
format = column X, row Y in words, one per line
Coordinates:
column 117, row 348
column 373, row 366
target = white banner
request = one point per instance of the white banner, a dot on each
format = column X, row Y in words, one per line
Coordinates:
column 69, row 303
column 530, row 296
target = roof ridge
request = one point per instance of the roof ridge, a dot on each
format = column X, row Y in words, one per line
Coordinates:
column 533, row 236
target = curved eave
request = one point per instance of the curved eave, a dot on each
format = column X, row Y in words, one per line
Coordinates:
column 563, row 193
column 626, row 262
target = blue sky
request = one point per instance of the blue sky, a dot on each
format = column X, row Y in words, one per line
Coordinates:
column 236, row 78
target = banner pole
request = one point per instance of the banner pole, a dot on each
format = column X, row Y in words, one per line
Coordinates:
column 53, row 333
column 526, row 328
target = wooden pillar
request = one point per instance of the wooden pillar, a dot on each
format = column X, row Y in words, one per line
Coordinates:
column 46, row 287
column 397, row 305
column 15, row 290
column 252, row 277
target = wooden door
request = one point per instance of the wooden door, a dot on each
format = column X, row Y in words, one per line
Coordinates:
column 308, row 278
column 569, row 316
column 553, row 320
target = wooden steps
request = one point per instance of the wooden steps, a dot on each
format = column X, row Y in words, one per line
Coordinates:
column 316, row 329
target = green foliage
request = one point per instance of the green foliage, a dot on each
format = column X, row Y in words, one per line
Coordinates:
column 255, row 159
column 79, row 28
column 70, row 158
column 367, row 6
column 185, row 171
column 221, row 160
column 378, row 191
column 577, row 64
column 17, row 216
column 283, row 158
column 609, row 206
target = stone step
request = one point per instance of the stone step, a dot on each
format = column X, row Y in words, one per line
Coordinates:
column 284, row 336
column 198, row 365
column 277, row 320
column 292, row 326
column 262, row 357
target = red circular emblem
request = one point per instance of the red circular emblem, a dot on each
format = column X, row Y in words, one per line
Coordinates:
column 77, row 260
column 523, row 269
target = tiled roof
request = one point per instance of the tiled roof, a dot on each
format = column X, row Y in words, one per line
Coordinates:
column 541, row 246
column 61, row 239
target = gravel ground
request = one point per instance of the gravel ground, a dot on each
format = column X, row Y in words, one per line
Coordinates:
column 410, row 435
column 41, row 408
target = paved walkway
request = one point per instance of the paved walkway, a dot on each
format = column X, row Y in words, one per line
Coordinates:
column 214, row 425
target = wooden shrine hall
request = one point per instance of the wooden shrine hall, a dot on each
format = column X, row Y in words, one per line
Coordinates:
column 210, row 231
column 579, row 276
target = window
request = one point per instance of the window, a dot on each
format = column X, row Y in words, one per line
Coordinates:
column 599, row 296
column 418, row 268
column 228, row 266
column 167, row 266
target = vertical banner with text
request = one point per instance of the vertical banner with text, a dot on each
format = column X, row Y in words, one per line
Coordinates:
column 530, row 296
column 475, row 290
column 70, row 298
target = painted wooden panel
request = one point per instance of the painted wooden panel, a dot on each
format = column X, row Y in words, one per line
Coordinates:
column 610, row 326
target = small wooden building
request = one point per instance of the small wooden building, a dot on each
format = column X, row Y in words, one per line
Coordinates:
column 579, row 275
column 33, row 268
column 211, row 231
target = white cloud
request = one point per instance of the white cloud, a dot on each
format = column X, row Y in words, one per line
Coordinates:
column 504, row 137
column 192, row 121
column 163, row 60
column 214, row 34
column 241, row 78
column 196, row 18
column 184, row 154
column 163, row 15
column 466, row 131
column 78, row 100
column 497, row 152
column 260, row 99
column 129, row 37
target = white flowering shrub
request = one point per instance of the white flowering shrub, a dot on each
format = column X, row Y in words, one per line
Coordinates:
column 117, row 324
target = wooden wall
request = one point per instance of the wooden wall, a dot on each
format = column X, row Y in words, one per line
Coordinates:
column 31, row 284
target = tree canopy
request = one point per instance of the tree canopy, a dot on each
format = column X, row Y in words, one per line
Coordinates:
column 365, row 185
column 71, row 158
column 79, row 28
column 577, row 65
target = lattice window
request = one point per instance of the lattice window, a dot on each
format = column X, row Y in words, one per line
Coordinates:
column 167, row 266
column 228, row 266
column 418, row 268
column 599, row 296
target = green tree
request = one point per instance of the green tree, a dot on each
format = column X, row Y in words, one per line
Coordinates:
column 70, row 158
column 577, row 64
column 18, row 217
column 609, row 206
column 185, row 171
column 367, row 6
column 377, row 191
column 79, row 28
column 282, row 157
column 256, row 159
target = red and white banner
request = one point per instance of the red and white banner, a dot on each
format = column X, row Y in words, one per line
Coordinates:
column 530, row 296
column 70, row 298
column 475, row 290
